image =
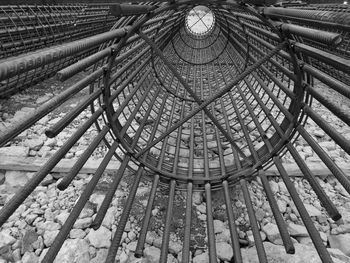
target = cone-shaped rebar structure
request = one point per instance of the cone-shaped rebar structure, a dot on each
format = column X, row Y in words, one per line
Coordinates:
column 196, row 96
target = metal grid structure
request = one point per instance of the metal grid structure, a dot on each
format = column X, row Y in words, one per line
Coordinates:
column 199, row 112
column 28, row 28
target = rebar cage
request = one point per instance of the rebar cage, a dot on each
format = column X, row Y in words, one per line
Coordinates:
column 187, row 110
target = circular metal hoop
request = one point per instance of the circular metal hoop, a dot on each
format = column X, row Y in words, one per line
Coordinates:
column 163, row 125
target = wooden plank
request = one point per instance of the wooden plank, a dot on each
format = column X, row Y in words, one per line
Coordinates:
column 33, row 164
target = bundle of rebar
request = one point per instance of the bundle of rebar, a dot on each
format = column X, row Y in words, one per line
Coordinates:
column 195, row 110
column 29, row 28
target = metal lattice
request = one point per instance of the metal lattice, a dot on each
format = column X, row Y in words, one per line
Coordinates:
column 190, row 112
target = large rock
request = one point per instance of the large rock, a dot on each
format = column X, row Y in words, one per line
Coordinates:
column 109, row 218
column 282, row 205
column 272, row 233
column 132, row 246
column 97, row 199
column 197, row 198
column 49, row 226
column 83, row 223
column 30, row 257
column 201, row 258
column 22, row 114
column 73, row 251
column 152, row 254
column 274, row 187
column 312, row 211
column 6, row 239
column 100, row 256
column 283, row 188
column 30, row 236
column 16, row 178
column 224, row 236
column 18, row 151
column 88, row 210
column 202, row 208
column 330, row 146
column 341, row 242
column 62, row 217
column 224, row 251
column 150, row 236
column 342, row 229
column 175, row 247
column 277, row 254
column 34, row 144
column 219, row 226
column 336, row 253
column 304, row 240
column 297, row 230
column 77, row 233
column 49, row 237
column 100, row 238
